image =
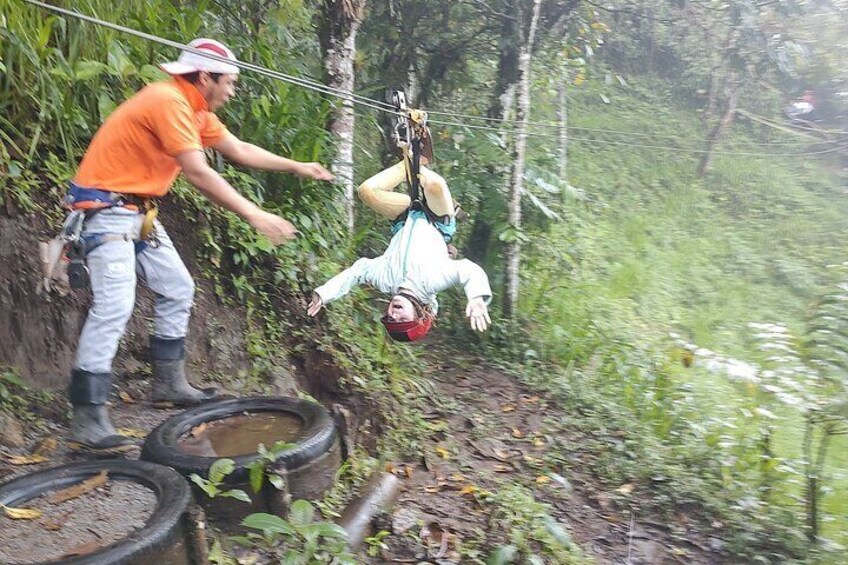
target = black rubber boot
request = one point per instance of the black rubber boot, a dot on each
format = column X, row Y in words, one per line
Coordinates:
column 170, row 385
column 91, row 431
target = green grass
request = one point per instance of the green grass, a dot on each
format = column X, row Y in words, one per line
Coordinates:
column 656, row 249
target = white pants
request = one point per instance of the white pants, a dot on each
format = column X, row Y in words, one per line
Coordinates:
column 114, row 267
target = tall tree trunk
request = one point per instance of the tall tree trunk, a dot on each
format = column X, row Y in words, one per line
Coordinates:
column 513, row 250
column 339, row 24
column 562, row 120
column 500, row 108
column 719, row 129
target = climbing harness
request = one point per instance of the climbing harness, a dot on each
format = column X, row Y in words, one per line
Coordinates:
column 63, row 258
column 413, row 136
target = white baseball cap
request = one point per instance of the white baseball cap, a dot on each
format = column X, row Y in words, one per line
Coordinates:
column 190, row 62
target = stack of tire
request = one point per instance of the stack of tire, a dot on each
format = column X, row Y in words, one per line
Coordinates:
column 174, row 533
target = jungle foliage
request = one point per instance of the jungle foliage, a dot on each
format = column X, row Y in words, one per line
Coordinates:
column 648, row 277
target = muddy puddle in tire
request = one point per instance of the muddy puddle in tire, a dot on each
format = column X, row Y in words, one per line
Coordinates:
column 79, row 525
column 239, row 435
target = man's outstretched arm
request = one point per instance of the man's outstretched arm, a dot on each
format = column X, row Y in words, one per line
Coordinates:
column 198, row 172
column 255, row 157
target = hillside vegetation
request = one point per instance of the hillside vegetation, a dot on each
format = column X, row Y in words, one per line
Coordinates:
column 695, row 325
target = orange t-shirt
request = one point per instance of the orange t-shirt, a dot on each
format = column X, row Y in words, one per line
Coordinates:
column 134, row 150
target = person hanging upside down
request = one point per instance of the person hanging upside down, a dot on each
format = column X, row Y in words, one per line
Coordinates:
column 416, row 264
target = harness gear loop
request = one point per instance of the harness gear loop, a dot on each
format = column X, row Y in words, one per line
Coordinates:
column 148, row 228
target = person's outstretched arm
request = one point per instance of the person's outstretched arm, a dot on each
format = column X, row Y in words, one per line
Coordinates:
column 475, row 282
column 255, row 157
column 198, row 172
column 340, row 284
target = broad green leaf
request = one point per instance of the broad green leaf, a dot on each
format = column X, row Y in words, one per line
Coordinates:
column 550, row 214
column 220, row 469
column 151, row 73
column 238, row 494
column 302, row 513
column 558, row 531
column 105, row 105
column 325, row 529
column 268, row 522
column 292, row 557
column 12, row 378
column 278, row 481
column 206, row 486
column 119, row 63
column 257, row 469
column 86, row 70
column 503, row 555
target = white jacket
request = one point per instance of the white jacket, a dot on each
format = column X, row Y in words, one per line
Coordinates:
column 416, row 260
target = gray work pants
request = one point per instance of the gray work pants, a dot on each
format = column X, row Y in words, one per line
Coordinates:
column 114, row 267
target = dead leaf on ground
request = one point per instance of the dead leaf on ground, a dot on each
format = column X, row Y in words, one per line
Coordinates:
column 21, row 513
column 432, row 489
column 87, row 485
column 26, row 459
column 539, row 442
column 45, row 446
column 516, row 433
column 54, row 524
column 83, row 549
column 439, row 536
column 542, row 480
column 506, row 408
column 132, row 432
column 401, row 470
column 503, row 468
column 125, row 396
column 626, row 488
column 603, row 500
column 442, row 452
column 501, row 454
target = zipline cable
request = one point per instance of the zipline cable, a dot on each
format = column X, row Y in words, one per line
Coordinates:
column 306, row 83
column 643, row 146
column 376, row 104
column 552, row 125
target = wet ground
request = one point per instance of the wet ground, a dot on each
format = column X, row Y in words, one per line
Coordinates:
column 489, row 433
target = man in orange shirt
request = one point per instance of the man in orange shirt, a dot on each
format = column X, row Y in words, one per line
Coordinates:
column 135, row 156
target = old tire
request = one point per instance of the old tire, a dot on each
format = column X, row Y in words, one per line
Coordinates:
column 162, row 539
column 309, row 466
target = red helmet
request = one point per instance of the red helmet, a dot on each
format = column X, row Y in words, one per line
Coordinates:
column 408, row 331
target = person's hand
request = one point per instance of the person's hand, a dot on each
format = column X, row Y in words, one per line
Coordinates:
column 314, row 171
column 273, row 227
column 315, row 305
column 478, row 314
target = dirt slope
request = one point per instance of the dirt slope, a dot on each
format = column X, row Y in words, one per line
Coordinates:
column 489, row 433
column 38, row 334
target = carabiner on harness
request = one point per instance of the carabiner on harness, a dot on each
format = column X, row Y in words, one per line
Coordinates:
column 148, row 234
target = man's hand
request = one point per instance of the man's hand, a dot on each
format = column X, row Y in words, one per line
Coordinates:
column 478, row 314
column 275, row 228
column 313, row 171
column 314, row 306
